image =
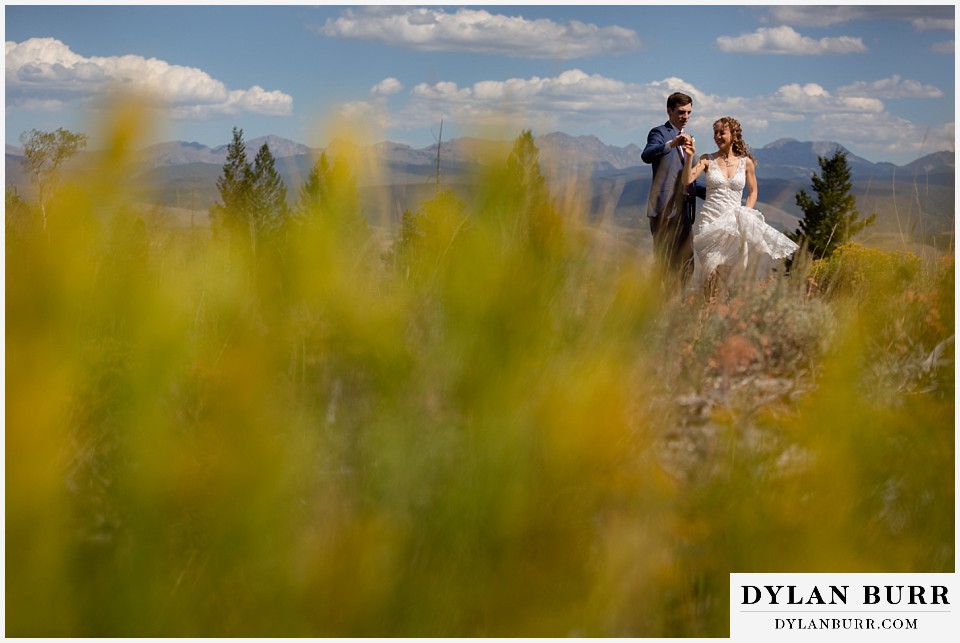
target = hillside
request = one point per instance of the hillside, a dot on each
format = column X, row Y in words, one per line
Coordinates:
column 913, row 202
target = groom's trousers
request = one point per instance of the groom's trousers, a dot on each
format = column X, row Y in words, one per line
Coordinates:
column 673, row 238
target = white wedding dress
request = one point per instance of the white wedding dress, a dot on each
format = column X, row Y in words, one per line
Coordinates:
column 730, row 234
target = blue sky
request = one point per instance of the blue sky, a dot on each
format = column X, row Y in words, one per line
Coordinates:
column 878, row 79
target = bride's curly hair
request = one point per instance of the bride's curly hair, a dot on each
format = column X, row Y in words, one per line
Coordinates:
column 740, row 148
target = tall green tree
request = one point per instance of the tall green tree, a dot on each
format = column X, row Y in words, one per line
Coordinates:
column 44, row 153
column 268, row 197
column 832, row 218
column 330, row 198
column 427, row 238
column 235, row 184
column 313, row 191
column 534, row 215
column 253, row 197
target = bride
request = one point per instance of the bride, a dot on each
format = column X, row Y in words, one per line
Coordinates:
column 730, row 237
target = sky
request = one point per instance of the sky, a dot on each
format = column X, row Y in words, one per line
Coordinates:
column 877, row 79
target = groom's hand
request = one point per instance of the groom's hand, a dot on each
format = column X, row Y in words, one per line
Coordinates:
column 686, row 142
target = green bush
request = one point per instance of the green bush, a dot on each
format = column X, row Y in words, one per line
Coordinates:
column 904, row 308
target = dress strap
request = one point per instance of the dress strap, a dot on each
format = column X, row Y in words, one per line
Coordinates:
column 713, row 159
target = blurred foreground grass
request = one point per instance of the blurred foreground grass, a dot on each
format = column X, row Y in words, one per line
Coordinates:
column 504, row 430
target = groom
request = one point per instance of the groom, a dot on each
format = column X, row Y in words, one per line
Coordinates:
column 670, row 207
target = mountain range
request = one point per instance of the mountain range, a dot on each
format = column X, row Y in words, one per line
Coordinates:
column 914, row 201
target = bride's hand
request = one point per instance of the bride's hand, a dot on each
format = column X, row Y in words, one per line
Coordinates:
column 690, row 146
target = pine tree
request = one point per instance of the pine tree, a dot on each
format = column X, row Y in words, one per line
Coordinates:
column 268, row 197
column 537, row 218
column 523, row 167
column 427, row 238
column 832, row 219
column 235, row 184
column 329, row 198
column 313, row 197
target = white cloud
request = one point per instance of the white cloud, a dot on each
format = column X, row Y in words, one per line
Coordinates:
column 785, row 40
column 479, row 31
column 387, row 87
column 572, row 96
column 814, row 99
column 946, row 47
column 45, row 69
column 570, row 99
column 369, row 114
column 854, row 115
column 890, row 88
column 575, row 96
column 921, row 17
column 808, row 16
column 885, row 134
column 42, row 105
column 445, row 90
column 934, row 24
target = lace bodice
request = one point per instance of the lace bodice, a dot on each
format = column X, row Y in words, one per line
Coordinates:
column 723, row 194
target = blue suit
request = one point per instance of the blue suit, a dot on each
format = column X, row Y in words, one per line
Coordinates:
column 670, row 207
